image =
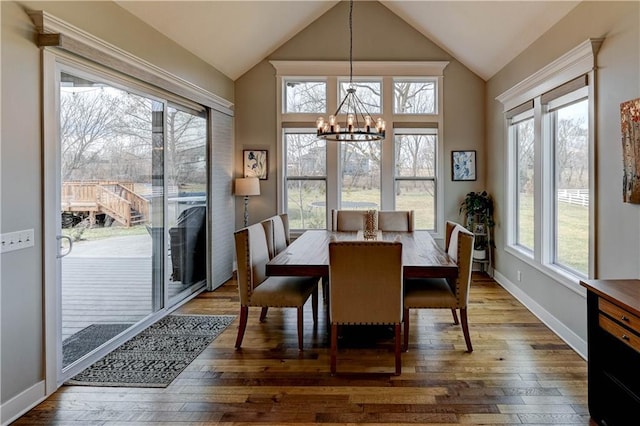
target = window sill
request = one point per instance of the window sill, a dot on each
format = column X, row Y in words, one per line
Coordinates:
column 559, row 275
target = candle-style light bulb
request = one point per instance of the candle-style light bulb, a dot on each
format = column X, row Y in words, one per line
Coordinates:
column 350, row 122
column 367, row 123
column 320, row 123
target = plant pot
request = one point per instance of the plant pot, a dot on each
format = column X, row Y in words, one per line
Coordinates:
column 480, row 254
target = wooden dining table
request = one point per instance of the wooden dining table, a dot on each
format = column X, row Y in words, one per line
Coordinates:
column 308, row 255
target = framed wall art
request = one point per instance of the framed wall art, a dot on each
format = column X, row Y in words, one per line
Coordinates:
column 463, row 165
column 255, row 163
column 630, row 126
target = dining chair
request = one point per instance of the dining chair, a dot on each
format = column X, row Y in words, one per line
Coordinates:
column 396, row 220
column 277, row 230
column 348, row 220
column 365, row 288
column 435, row 293
column 256, row 289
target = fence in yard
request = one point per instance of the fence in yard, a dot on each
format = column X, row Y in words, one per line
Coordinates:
column 578, row 197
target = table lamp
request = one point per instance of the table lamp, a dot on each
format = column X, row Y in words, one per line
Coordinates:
column 247, row 187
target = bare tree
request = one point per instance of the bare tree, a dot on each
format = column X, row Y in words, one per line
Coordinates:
column 87, row 124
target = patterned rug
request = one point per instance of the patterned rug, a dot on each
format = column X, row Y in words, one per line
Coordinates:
column 87, row 339
column 156, row 356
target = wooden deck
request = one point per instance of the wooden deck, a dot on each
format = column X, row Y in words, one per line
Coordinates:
column 519, row 373
column 106, row 290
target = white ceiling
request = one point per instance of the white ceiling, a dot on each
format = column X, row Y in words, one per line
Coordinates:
column 233, row 36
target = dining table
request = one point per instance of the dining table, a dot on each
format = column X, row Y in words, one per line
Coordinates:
column 308, row 255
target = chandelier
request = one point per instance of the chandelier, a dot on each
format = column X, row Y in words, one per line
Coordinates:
column 359, row 126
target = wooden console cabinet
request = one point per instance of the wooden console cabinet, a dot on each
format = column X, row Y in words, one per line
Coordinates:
column 613, row 321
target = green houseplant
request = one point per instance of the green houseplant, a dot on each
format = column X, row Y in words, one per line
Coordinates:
column 477, row 208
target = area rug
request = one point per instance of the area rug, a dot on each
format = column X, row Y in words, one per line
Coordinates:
column 156, row 356
column 87, row 339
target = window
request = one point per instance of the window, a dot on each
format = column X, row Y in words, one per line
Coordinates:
column 369, row 92
column 550, row 218
column 306, row 188
column 398, row 173
column 414, row 96
column 522, row 131
column 360, row 184
column 415, row 180
column 570, row 141
column 305, row 96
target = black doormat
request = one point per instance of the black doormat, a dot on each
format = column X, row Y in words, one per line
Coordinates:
column 156, row 356
column 87, row 339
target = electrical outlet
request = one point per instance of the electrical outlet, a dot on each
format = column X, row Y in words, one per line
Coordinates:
column 16, row 240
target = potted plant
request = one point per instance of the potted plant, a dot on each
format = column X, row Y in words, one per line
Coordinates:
column 480, row 249
column 477, row 208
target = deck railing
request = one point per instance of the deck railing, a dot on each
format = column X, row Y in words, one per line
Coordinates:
column 114, row 205
column 115, row 198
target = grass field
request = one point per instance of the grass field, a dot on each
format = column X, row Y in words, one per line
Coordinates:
column 572, row 228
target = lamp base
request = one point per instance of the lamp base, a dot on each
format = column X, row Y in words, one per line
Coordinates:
column 246, row 211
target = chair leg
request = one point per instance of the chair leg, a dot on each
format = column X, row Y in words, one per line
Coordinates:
column 244, row 314
column 398, row 351
column 455, row 316
column 300, row 326
column 314, row 305
column 263, row 313
column 334, row 347
column 406, row 329
column 325, row 289
column 465, row 329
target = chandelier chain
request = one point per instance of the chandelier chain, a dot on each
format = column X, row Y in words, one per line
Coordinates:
column 351, row 43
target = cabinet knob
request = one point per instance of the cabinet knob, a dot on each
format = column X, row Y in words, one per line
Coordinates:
column 624, row 318
column 625, row 337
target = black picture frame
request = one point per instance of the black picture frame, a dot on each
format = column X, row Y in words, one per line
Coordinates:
column 463, row 165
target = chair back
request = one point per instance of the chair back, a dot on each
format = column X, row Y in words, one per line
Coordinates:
column 365, row 282
column 276, row 229
column 395, row 220
column 348, row 220
column 464, row 252
column 252, row 255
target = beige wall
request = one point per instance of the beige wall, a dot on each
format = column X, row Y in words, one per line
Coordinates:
column 378, row 35
column 22, row 357
column 618, row 80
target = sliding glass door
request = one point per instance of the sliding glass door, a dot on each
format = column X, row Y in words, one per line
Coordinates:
column 186, row 176
column 133, row 210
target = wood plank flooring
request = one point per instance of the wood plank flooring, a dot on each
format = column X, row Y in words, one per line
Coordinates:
column 519, row 373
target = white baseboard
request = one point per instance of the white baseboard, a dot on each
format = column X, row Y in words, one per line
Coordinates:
column 562, row 331
column 21, row 403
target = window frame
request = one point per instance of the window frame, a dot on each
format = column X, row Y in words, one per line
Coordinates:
column 437, row 166
column 514, row 164
column 384, row 71
column 299, row 178
column 578, row 62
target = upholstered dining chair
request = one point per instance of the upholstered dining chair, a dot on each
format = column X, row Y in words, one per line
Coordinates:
column 395, row 220
column 348, row 220
column 434, row 293
column 277, row 230
column 365, row 288
column 256, row 289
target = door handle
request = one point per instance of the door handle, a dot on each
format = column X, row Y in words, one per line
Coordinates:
column 64, row 237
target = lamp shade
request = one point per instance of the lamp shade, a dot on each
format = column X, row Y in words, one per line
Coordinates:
column 247, row 186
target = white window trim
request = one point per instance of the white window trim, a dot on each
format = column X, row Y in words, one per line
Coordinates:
column 386, row 71
column 578, row 61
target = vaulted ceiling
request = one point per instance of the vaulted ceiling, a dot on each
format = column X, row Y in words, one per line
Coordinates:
column 233, row 36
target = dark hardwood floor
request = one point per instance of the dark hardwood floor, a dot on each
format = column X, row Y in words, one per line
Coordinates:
column 519, row 373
